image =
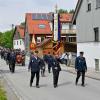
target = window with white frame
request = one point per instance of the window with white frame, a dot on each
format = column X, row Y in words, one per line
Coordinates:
column 88, row 5
column 42, row 38
column 20, row 42
column 17, row 42
column 97, row 3
column 96, row 34
column 38, row 39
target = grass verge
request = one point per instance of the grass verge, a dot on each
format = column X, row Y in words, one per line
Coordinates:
column 2, row 93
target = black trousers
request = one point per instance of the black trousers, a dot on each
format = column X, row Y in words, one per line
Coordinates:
column 9, row 66
column 49, row 68
column 37, row 78
column 12, row 67
column 55, row 78
column 78, row 76
column 42, row 72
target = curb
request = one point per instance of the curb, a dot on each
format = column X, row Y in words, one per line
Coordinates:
column 85, row 75
column 11, row 86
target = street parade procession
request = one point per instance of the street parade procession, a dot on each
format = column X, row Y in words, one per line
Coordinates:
column 37, row 65
column 38, row 62
column 53, row 54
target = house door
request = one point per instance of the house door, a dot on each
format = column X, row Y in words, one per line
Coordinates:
column 97, row 64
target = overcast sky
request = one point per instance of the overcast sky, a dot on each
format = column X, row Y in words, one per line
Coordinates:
column 13, row 11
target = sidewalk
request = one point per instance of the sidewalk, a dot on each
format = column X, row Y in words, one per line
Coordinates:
column 91, row 73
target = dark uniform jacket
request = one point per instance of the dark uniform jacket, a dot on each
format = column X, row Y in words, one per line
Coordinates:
column 34, row 64
column 49, row 60
column 8, row 56
column 80, row 64
column 55, row 66
column 45, row 58
column 12, row 58
column 42, row 64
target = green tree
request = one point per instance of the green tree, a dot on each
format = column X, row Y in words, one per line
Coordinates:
column 72, row 11
column 23, row 24
column 62, row 11
column 6, row 39
column 0, row 36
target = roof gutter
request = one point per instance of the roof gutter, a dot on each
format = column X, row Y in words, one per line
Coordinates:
column 76, row 11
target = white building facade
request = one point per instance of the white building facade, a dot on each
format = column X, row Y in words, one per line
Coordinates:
column 19, row 44
column 87, row 17
column 18, row 38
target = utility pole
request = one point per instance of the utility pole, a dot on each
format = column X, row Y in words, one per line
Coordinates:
column 12, row 27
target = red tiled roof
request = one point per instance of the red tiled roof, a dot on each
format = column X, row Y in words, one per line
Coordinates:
column 33, row 25
column 20, row 29
column 66, row 17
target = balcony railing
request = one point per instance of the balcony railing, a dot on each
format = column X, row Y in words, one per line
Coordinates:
column 64, row 31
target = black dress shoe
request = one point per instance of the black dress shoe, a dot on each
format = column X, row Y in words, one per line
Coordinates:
column 82, row 85
column 30, row 85
column 55, row 86
column 76, row 83
column 37, row 86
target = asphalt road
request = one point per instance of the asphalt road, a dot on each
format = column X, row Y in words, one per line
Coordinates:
column 67, row 90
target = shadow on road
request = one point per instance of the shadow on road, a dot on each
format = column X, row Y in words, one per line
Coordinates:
column 65, row 83
column 42, row 85
column 5, row 71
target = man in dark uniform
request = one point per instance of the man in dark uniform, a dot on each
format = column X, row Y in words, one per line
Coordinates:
column 9, row 59
column 42, row 67
column 23, row 58
column 49, row 62
column 8, row 56
column 12, row 61
column 34, row 65
column 80, row 67
column 2, row 53
column 56, row 69
column 45, row 57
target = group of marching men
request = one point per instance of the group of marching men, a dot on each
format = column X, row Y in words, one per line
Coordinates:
column 9, row 55
column 37, row 65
